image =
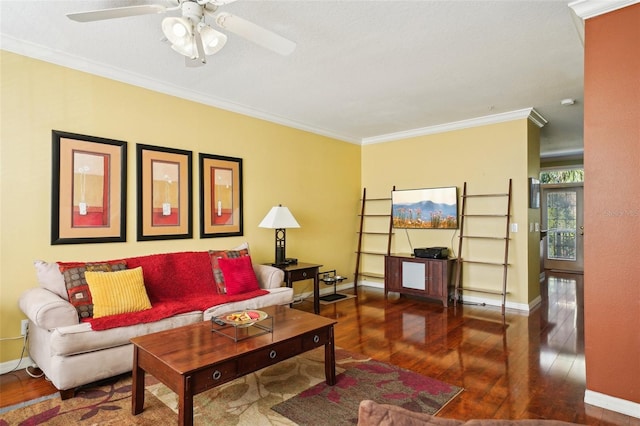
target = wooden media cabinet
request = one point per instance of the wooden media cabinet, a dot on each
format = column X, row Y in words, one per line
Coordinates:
column 424, row 277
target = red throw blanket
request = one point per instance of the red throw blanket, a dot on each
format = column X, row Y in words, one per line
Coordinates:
column 166, row 309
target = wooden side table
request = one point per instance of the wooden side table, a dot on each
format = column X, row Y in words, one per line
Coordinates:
column 304, row 271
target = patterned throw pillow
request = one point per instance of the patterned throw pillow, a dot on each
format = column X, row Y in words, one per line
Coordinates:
column 77, row 288
column 218, row 276
column 239, row 276
column 117, row 292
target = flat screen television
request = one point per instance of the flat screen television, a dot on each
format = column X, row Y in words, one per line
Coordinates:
column 427, row 208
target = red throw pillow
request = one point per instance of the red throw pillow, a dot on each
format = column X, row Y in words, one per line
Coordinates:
column 239, row 276
column 218, row 276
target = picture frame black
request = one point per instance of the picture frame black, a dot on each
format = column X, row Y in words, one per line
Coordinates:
column 164, row 193
column 88, row 189
column 221, row 204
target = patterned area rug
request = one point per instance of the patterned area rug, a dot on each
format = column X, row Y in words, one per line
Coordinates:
column 295, row 389
column 378, row 381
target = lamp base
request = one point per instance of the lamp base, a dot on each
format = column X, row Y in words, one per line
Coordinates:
column 280, row 259
column 286, row 262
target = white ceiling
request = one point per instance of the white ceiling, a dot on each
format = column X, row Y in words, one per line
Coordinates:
column 363, row 71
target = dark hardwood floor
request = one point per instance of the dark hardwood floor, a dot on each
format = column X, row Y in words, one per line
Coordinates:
column 520, row 367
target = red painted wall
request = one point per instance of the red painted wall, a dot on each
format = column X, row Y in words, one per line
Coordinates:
column 612, row 203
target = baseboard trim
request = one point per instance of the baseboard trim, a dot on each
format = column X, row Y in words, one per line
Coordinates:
column 15, row 365
column 611, row 403
column 373, row 284
column 522, row 307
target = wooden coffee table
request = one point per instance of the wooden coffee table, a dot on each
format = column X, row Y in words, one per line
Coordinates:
column 192, row 359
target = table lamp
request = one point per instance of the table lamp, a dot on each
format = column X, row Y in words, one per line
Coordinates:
column 279, row 218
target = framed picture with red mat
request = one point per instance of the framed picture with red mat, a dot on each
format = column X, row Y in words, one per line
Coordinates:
column 164, row 193
column 220, row 196
column 88, row 197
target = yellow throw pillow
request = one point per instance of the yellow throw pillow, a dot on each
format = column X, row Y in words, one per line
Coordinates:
column 117, row 292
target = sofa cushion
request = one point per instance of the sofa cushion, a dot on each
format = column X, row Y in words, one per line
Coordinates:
column 175, row 276
column 82, row 338
column 239, row 276
column 271, row 297
column 117, row 292
column 77, row 289
column 50, row 278
column 215, row 255
column 167, row 309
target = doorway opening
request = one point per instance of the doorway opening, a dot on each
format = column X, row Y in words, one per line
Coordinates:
column 562, row 194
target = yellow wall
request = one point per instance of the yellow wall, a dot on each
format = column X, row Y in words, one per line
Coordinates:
column 281, row 165
column 485, row 157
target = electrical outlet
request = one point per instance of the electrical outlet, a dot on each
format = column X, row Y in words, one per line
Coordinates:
column 24, row 325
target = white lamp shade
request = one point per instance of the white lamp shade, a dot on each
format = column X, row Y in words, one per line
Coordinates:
column 187, row 49
column 179, row 31
column 212, row 40
column 279, row 218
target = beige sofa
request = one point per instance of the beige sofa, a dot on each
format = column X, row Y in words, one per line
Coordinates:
column 71, row 352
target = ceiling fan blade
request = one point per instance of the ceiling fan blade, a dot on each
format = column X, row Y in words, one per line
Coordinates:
column 255, row 33
column 118, row 12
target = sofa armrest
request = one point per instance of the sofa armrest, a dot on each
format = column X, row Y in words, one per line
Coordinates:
column 46, row 309
column 268, row 276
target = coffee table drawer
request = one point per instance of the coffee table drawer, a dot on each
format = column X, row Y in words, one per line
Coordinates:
column 315, row 339
column 268, row 356
column 213, row 376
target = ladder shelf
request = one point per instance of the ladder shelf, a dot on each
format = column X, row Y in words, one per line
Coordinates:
column 376, row 251
column 503, row 263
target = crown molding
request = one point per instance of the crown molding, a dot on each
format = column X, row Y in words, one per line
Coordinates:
column 586, row 9
column 63, row 59
column 58, row 57
column 528, row 113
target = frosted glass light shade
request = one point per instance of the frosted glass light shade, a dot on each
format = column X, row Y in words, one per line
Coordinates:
column 212, row 40
column 179, row 31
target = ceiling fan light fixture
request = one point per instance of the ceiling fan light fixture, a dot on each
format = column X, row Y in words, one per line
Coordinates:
column 212, row 40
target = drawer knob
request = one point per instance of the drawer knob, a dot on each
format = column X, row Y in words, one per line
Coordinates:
column 316, row 338
column 273, row 354
column 216, row 375
column 304, row 274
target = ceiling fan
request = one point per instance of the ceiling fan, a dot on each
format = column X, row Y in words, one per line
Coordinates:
column 189, row 34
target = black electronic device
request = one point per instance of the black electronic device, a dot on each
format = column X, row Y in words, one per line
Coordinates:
column 432, row 252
